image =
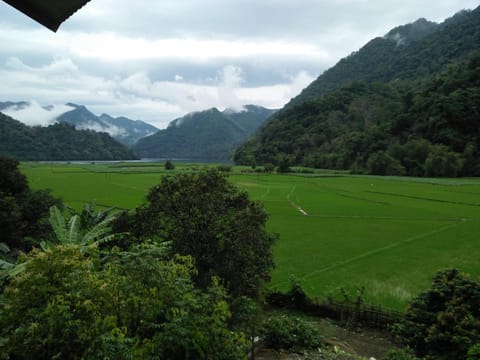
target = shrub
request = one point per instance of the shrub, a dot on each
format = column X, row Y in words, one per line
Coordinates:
column 443, row 322
column 289, row 333
column 169, row 165
column 474, row 352
column 224, row 168
column 400, row 354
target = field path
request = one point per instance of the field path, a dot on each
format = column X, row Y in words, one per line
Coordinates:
column 302, row 211
column 381, row 249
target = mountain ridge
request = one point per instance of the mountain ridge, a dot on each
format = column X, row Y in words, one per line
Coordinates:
column 207, row 135
column 411, row 112
column 121, row 128
column 381, row 60
column 60, row 141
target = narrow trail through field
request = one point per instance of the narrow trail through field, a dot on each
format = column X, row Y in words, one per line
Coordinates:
column 382, row 249
column 302, row 211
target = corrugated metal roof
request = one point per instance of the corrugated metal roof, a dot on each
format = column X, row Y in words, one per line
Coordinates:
column 49, row 13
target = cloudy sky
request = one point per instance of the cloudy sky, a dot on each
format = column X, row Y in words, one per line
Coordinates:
column 158, row 60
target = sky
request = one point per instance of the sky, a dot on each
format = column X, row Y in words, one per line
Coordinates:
column 159, row 60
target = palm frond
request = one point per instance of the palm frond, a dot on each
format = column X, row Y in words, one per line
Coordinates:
column 57, row 221
column 73, row 230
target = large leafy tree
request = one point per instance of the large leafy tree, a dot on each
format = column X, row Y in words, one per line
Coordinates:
column 444, row 322
column 23, row 212
column 207, row 217
column 139, row 305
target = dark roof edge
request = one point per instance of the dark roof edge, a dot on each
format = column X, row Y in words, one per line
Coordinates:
column 39, row 13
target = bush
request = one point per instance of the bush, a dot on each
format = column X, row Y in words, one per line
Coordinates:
column 169, row 165
column 224, row 168
column 284, row 332
column 474, row 352
column 443, row 322
column 400, row 354
column 269, row 167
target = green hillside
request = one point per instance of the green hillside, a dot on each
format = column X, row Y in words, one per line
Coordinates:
column 205, row 135
column 407, row 52
column 405, row 114
column 57, row 142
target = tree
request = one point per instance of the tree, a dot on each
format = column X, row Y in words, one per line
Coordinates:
column 156, row 301
column 52, row 309
column 444, row 322
column 381, row 163
column 169, row 165
column 138, row 305
column 23, row 212
column 442, row 162
column 207, row 217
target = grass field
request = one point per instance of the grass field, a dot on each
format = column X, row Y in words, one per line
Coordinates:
column 389, row 235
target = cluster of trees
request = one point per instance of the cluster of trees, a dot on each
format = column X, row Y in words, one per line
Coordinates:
column 405, row 104
column 23, row 212
column 57, row 142
column 427, row 127
column 177, row 278
column 444, row 322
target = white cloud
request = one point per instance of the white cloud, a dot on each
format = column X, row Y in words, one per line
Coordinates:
column 34, row 114
column 137, row 96
column 157, row 61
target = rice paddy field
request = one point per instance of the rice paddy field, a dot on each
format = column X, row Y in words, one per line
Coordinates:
column 389, row 235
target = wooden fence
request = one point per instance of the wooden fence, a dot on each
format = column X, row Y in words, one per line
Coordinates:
column 348, row 312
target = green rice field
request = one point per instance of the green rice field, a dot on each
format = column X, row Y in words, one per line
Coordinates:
column 389, row 235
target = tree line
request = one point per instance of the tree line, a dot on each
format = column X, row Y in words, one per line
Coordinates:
column 427, row 127
column 59, row 141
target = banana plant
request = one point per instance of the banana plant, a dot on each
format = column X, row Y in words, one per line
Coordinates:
column 71, row 231
column 8, row 268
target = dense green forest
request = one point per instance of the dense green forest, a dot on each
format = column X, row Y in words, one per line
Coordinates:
column 160, row 281
column 424, row 122
column 57, row 142
column 204, row 135
column 407, row 52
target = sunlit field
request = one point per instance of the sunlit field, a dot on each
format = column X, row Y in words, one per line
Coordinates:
column 388, row 235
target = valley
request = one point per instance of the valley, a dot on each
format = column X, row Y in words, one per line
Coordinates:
column 387, row 234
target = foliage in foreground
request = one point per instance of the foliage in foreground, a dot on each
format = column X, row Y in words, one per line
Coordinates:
column 208, row 218
column 23, row 212
column 290, row 333
column 138, row 305
column 444, row 322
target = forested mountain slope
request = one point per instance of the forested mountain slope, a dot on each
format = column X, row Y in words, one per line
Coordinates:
column 406, row 52
column 205, row 135
column 122, row 129
column 417, row 121
column 57, row 142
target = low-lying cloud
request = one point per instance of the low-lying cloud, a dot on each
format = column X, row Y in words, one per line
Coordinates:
column 135, row 95
column 35, row 114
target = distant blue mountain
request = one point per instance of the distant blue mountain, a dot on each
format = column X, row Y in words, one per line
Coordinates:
column 122, row 129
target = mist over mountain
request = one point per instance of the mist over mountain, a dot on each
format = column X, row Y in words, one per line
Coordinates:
column 407, row 52
column 59, row 141
column 404, row 104
column 204, row 135
column 122, row 129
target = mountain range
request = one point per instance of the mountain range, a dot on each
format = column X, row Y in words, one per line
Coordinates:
column 122, row 129
column 209, row 135
column 60, row 141
column 404, row 104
